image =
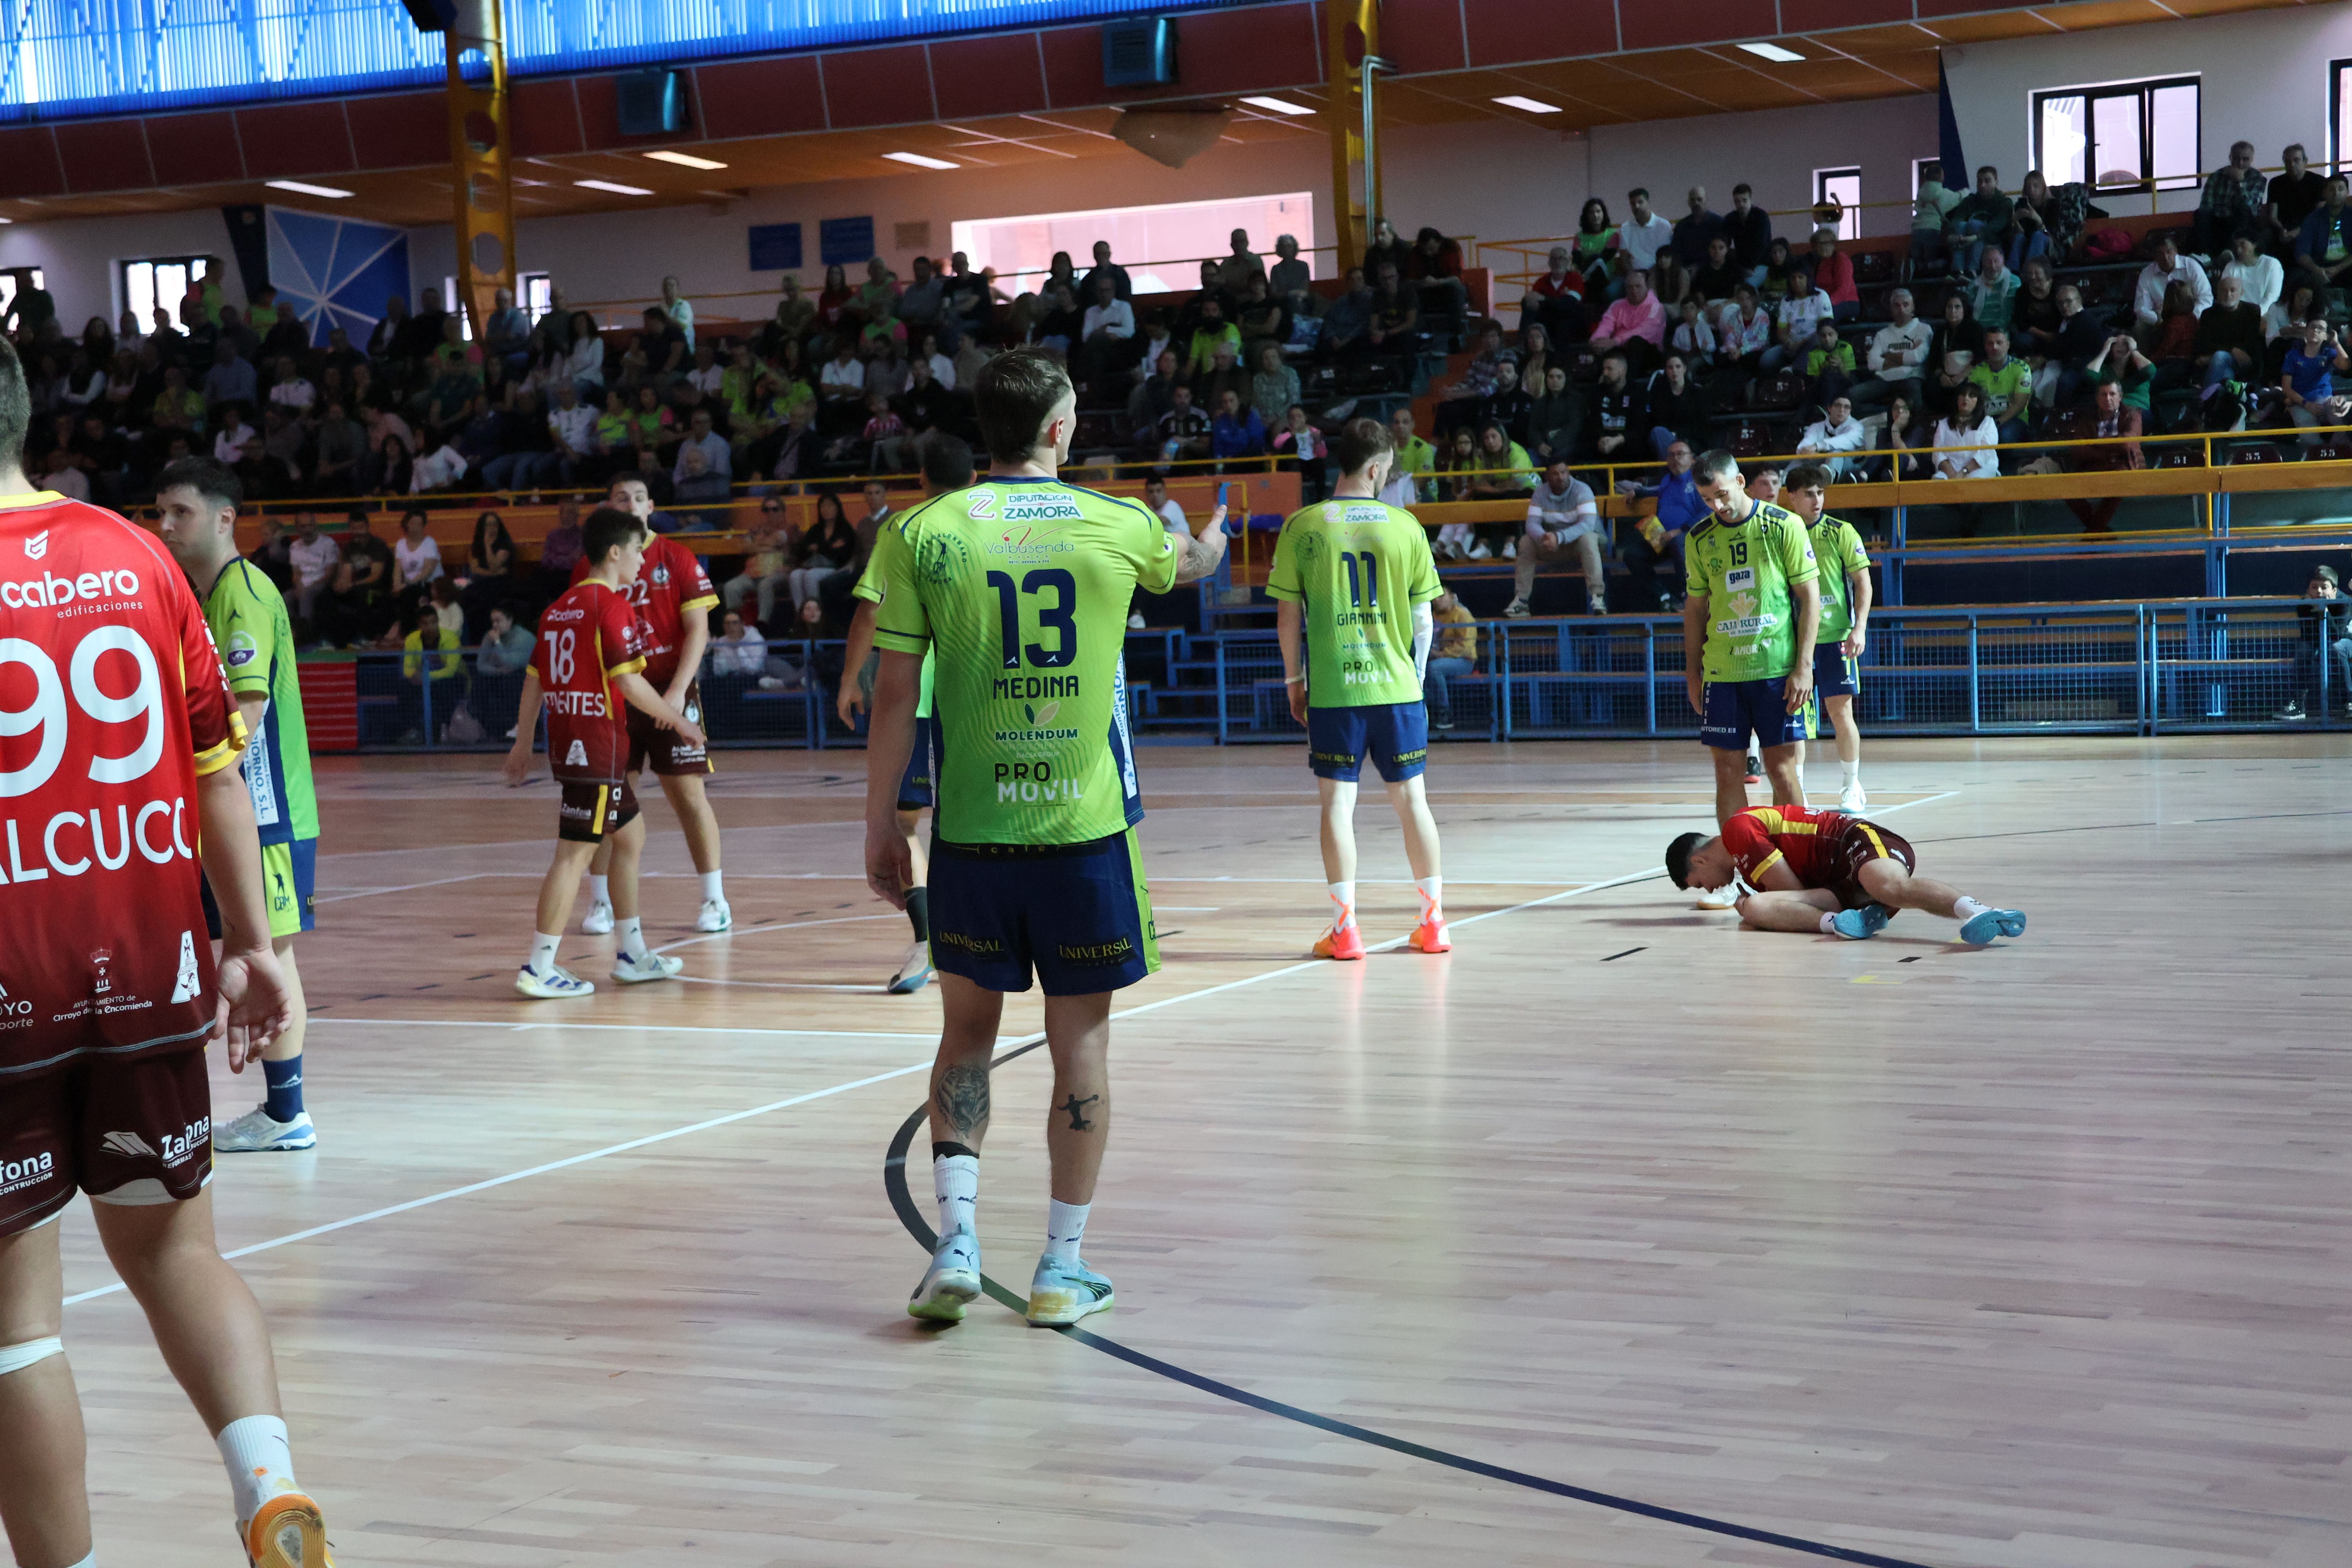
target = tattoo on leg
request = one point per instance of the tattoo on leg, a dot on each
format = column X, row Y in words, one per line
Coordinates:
column 1076, row 1108
column 964, row 1097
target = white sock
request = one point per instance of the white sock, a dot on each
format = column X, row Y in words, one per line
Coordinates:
column 88, row 1561
column 1065, row 1224
column 1853, row 773
column 261, row 1463
column 955, row 1183
column 710, row 886
column 1829, row 925
column 1433, row 902
column 1343, row 905
column 632, row 936
column 1801, row 784
column 599, row 889
column 1966, row 909
column 542, row 950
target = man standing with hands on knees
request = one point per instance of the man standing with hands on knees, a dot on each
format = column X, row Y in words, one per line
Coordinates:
column 1749, row 625
column 1023, row 583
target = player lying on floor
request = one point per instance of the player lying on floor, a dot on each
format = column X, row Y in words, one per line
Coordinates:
column 1818, row 870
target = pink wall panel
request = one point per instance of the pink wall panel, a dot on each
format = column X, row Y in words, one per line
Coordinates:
column 1074, row 66
column 283, row 140
column 398, row 129
column 1503, row 32
column 28, row 163
column 1811, row 15
column 104, row 155
column 1665, row 24
column 1002, row 74
column 195, row 149
column 877, row 87
column 760, row 97
column 1425, row 35
column 542, row 118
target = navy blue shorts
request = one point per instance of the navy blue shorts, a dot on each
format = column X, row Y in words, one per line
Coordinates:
column 1733, row 708
column 1395, row 733
column 915, row 786
column 1834, row 674
column 1078, row 914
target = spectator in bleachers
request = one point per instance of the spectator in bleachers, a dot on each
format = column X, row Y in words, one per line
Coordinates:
column 2307, row 378
column 1106, row 335
column 415, row 561
column 1225, row 374
column 394, row 469
column 1717, row 275
column 1676, row 406
column 2119, row 428
column 236, row 443
column 2120, row 360
column 769, row 541
column 2175, row 336
column 1384, row 248
column 1656, row 541
column 1904, row 431
column 1236, row 431
column 2325, row 626
column 1436, row 267
column 2296, row 189
column 1956, row 330
column 1693, row 231
column 1635, row 326
column 2033, row 315
column 1534, row 358
column 583, row 362
column 279, row 465
column 828, row 544
column 1396, row 319
column 1617, row 412
column 1967, row 426
column 1743, row 331
column 1185, row 431
column 2007, row 386
column 1501, row 470
column 1563, row 519
column 228, row 379
column 842, row 383
column 1596, row 239
column 1289, row 279
column 1213, row 335
column 1984, row 218
column 2082, row 334
column 2036, row 221
column 2230, row 338
column 1749, row 229
column 1555, row 420
column 1827, row 366
column 2323, row 247
column 1242, row 264
column 431, row 659
column 438, row 465
column 1834, row 435
column 1832, row 273
column 2233, row 195
column 1300, row 447
column 1348, row 319
column 2260, row 277
column 1670, row 283
column 1693, row 337
column 1644, row 234
column 1554, row 301
column 1992, row 295
column 1262, row 318
column 1896, row 354
column 2168, row 266
column 1453, row 657
column 1782, row 276
column 1800, row 315
column 1931, row 210
column 288, row 388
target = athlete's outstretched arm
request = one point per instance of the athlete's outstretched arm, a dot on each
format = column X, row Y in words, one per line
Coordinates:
column 889, row 741
column 517, row 767
column 1203, row 553
column 639, row 693
column 254, row 1005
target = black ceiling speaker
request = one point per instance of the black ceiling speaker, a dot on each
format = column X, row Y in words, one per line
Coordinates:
column 651, row 102
column 1139, row 53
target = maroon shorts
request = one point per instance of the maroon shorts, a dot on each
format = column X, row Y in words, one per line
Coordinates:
column 1860, row 844
column 668, row 752
column 131, row 1132
column 589, row 811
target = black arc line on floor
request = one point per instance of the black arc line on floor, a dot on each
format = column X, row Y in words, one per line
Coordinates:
column 894, row 1183
column 1627, row 953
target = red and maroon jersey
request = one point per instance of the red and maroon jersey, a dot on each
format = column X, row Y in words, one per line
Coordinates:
column 670, row 586
column 1809, row 837
column 111, row 705
column 586, row 638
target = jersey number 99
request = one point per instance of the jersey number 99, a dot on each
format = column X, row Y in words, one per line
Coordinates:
column 49, row 716
column 1056, row 617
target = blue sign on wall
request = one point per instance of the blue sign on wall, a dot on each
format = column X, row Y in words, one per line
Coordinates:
column 845, row 241
column 336, row 271
column 775, row 247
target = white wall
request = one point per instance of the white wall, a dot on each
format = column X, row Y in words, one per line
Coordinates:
column 78, row 256
column 2264, row 80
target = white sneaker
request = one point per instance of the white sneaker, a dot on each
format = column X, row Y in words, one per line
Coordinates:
column 951, row 1280
column 1480, row 552
column 1510, row 550
column 914, row 970
column 1135, row 621
column 599, row 918
column 257, row 1131
column 715, row 916
column 1516, row 610
column 552, row 983
column 645, row 966
column 1852, row 798
column 1723, row 898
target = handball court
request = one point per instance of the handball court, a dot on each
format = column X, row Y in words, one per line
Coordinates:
column 2027, row 1257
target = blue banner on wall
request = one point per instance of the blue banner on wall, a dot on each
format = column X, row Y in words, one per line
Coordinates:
column 336, row 273
column 845, row 241
column 775, row 247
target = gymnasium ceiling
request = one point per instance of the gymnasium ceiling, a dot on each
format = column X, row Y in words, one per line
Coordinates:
column 1023, row 98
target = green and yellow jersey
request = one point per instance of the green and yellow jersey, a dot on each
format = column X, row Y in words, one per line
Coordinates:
column 1022, row 585
column 255, row 639
column 1838, row 551
column 1745, row 572
column 1357, row 567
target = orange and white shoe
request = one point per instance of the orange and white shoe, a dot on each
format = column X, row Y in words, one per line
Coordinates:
column 1348, row 942
column 289, row 1532
column 1431, row 936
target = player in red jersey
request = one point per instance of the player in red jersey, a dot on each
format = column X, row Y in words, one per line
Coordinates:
column 1819, row 871
column 673, row 595
column 118, row 779
column 589, row 661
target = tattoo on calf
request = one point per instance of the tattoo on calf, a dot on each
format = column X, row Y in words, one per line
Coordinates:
column 964, row 1097
column 1076, row 1108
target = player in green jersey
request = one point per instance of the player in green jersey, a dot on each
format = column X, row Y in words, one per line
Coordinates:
column 947, row 466
column 1353, row 578
column 197, row 500
column 1022, row 584
column 1845, row 618
column 1749, row 622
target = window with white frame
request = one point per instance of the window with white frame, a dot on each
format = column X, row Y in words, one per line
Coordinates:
column 535, row 291
column 2339, row 114
column 2119, row 136
column 153, row 281
column 1839, row 189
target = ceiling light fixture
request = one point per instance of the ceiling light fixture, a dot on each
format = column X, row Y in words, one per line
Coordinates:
column 1773, row 52
column 1515, row 102
column 608, row 186
column 686, row 159
column 301, row 189
column 919, row 162
column 1278, row 105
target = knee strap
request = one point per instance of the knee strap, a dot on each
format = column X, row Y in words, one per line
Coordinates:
column 16, row 1358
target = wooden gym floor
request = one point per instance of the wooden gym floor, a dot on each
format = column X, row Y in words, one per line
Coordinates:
column 2033, row 1257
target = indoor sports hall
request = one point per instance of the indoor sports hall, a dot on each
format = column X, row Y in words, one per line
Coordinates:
column 1662, row 694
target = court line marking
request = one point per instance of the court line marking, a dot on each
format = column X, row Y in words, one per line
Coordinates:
column 630, row 1028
